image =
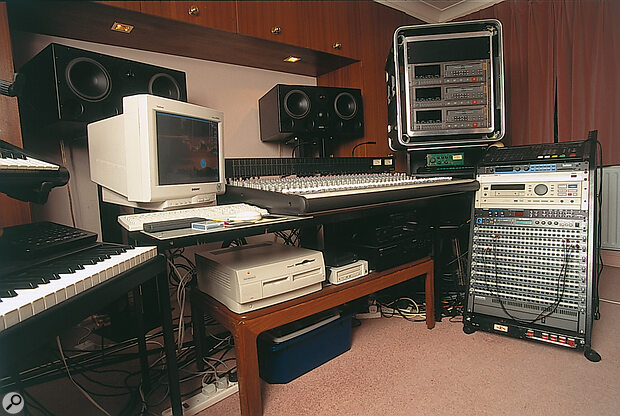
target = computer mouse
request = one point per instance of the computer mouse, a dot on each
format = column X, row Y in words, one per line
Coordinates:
column 249, row 215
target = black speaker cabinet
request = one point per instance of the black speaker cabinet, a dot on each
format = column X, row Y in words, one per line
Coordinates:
column 310, row 112
column 65, row 88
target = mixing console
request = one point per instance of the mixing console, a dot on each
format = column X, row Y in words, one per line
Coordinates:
column 307, row 195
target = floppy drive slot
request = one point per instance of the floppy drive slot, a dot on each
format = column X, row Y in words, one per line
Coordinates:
column 305, row 274
column 276, row 286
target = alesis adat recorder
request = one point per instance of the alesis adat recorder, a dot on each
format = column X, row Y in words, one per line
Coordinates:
column 445, row 84
column 532, row 269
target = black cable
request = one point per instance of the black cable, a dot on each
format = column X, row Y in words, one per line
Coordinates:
column 396, row 310
column 55, row 369
column 76, row 369
column 184, row 257
column 37, row 405
column 104, row 385
column 291, row 238
column 358, row 145
column 298, row 145
column 599, row 227
column 173, row 279
column 559, row 292
column 172, row 256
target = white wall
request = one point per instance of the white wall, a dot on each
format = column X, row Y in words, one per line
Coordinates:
column 233, row 89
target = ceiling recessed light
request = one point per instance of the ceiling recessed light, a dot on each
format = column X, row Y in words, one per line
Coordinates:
column 292, row 59
column 121, row 27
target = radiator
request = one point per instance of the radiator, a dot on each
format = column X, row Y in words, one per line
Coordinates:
column 610, row 209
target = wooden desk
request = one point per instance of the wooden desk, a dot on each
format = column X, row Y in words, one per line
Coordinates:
column 245, row 328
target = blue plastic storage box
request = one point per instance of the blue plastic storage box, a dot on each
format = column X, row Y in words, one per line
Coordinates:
column 289, row 351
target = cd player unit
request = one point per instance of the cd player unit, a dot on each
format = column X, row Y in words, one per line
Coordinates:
column 342, row 274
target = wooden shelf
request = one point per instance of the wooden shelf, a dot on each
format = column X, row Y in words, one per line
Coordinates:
column 90, row 21
column 245, row 328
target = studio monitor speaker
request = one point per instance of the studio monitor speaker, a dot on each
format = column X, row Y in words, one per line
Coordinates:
column 65, row 88
column 310, row 112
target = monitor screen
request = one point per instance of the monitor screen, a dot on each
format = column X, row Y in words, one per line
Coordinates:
column 187, row 149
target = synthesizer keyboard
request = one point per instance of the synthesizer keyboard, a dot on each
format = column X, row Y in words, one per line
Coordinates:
column 26, row 177
column 311, row 195
column 26, row 293
column 43, row 238
column 17, row 160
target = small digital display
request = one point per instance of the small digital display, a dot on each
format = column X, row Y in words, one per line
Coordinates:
column 187, row 149
column 427, row 71
column 428, row 116
column 428, row 94
column 508, row 187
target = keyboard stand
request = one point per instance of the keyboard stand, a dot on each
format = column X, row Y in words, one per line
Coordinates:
column 16, row 342
column 245, row 328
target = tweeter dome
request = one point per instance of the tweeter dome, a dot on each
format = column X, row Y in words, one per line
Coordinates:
column 65, row 88
column 310, row 112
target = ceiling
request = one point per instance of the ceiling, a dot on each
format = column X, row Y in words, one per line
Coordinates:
column 438, row 11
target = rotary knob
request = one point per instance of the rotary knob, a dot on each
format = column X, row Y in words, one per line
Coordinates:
column 540, row 189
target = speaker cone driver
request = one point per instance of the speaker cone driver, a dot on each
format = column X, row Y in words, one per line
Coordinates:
column 88, row 79
column 164, row 85
column 297, row 104
column 345, row 106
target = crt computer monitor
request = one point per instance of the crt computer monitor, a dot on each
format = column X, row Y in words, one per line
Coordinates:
column 158, row 154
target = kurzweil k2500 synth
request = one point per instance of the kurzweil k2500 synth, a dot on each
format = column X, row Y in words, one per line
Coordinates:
column 533, row 258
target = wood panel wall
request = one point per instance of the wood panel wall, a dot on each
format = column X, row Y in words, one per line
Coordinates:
column 12, row 212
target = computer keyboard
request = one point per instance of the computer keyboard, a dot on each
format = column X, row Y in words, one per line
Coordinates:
column 135, row 222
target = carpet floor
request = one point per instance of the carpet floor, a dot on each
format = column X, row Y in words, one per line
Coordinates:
column 400, row 368
column 396, row 367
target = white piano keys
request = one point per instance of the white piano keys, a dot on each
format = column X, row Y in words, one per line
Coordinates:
column 27, row 164
column 29, row 302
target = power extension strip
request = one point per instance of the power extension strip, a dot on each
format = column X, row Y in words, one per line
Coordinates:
column 373, row 312
column 201, row 401
column 368, row 315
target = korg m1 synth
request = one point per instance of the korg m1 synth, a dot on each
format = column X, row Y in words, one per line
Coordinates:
column 533, row 258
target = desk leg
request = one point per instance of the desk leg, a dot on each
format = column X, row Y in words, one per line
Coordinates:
column 429, row 293
column 169, row 346
column 199, row 333
column 141, row 334
column 247, row 369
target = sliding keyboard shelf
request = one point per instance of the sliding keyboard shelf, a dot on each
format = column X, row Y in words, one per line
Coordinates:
column 165, row 240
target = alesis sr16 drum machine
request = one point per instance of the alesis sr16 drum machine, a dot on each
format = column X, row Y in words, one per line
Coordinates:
column 533, row 258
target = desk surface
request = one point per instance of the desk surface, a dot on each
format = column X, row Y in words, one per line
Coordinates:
column 324, row 212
